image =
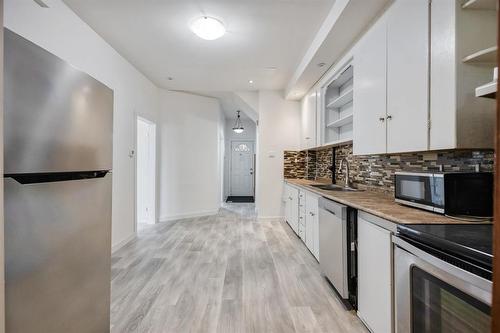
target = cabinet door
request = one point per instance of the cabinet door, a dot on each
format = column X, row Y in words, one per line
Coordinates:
column 407, row 76
column 308, row 121
column 302, row 215
column 312, row 230
column 286, row 202
column 294, row 209
column 443, row 74
column 374, row 276
column 370, row 91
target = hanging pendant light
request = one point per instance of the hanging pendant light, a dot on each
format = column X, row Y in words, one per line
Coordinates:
column 238, row 126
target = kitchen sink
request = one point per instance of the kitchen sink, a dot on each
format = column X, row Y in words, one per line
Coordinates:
column 334, row 187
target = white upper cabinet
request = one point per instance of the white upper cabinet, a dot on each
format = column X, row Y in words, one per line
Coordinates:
column 409, row 84
column 407, row 75
column 308, row 121
column 370, row 91
column 418, row 67
column 391, row 82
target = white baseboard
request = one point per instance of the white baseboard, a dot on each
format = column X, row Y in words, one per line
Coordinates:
column 268, row 218
column 122, row 243
column 188, row 215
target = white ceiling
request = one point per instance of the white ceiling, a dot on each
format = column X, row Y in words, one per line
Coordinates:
column 154, row 35
column 230, row 103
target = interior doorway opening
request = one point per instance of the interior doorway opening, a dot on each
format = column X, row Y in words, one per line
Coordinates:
column 242, row 172
column 146, row 172
column 240, row 162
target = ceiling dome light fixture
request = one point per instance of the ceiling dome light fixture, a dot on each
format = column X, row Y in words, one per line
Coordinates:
column 208, row 28
column 238, row 126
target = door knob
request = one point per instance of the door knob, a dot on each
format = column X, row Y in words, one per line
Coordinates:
column 382, row 119
column 389, row 117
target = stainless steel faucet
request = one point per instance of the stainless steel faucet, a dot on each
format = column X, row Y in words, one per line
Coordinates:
column 346, row 162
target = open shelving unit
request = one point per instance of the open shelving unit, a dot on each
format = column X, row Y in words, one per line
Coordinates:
column 338, row 108
column 485, row 56
column 343, row 99
column 341, row 122
column 480, row 4
column 488, row 90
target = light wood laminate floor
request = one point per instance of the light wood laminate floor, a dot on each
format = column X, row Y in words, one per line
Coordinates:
column 225, row 273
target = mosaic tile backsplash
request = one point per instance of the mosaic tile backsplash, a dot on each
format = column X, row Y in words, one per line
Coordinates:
column 376, row 172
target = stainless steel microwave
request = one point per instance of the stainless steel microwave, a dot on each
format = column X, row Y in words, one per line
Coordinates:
column 449, row 193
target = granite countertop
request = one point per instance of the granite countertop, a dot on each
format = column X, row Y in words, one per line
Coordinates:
column 378, row 204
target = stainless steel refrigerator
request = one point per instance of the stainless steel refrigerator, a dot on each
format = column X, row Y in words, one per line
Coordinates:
column 58, row 157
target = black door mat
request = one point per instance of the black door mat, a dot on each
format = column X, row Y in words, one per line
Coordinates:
column 239, row 199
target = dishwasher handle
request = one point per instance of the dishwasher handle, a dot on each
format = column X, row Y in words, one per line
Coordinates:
column 329, row 211
column 333, row 207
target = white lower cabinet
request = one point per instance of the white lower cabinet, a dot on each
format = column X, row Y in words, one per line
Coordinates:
column 291, row 207
column 312, row 224
column 374, row 276
column 301, row 213
column 302, row 216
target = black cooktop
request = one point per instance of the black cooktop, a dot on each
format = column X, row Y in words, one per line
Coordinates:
column 464, row 244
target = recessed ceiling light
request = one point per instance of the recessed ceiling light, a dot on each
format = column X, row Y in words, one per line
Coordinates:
column 321, row 64
column 251, row 81
column 170, row 78
column 208, row 28
column 271, row 68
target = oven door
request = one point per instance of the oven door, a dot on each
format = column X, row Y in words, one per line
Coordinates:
column 434, row 296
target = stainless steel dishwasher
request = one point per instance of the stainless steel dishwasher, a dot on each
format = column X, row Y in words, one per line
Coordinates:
column 337, row 248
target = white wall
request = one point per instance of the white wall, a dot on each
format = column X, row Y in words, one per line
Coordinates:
column 61, row 32
column 190, row 155
column 248, row 135
column 278, row 130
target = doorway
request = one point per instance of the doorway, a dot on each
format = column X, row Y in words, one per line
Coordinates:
column 146, row 172
column 242, row 172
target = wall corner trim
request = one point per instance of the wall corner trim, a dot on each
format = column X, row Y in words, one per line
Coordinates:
column 122, row 243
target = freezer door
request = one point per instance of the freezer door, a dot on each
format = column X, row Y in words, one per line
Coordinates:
column 58, row 255
column 57, row 118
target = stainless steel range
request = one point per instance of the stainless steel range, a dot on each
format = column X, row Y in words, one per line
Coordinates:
column 443, row 278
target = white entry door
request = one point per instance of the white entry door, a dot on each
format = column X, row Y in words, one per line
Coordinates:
column 242, row 168
column 146, row 171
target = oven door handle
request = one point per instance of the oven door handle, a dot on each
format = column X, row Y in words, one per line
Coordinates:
column 468, row 282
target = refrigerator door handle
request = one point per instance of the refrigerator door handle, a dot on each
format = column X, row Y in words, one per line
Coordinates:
column 50, row 177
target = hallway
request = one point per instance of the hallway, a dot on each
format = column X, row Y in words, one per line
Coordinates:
column 224, row 273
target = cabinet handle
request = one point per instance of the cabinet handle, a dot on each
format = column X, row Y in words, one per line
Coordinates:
column 312, row 214
column 389, row 117
column 290, row 198
column 382, row 119
column 308, row 138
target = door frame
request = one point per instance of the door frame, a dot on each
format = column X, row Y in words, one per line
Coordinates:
column 139, row 117
column 495, row 303
column 231, row 165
